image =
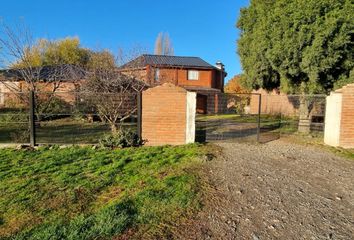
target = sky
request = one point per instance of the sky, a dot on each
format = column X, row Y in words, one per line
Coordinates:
column 201, row 28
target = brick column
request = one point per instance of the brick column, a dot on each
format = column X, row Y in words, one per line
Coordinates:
column 347, row 119
column 339, row 123
column 168, row 115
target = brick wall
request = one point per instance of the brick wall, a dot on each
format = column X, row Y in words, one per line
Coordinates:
column 164, row 115
column 273, row 103
column 347, row 118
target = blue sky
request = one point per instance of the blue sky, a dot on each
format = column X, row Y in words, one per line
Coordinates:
column 203, row 28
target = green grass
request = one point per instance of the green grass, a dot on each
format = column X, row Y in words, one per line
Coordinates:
column 265, row 118
column 347, row 153
column 85, row 193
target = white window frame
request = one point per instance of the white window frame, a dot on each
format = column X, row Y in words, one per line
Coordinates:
column 193, row 75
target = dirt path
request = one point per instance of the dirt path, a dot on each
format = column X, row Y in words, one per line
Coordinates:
column 277, row 190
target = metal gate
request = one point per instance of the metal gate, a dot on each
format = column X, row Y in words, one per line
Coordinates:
column 236, row 117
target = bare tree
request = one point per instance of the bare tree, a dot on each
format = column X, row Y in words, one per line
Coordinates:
column 113, row 94
column 21, row 56
column 159, row 44
column 17, row 45
column 167, row 45
column 163, row 45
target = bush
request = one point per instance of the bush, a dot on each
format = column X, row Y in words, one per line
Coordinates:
column 15, row 116
column 122, row 139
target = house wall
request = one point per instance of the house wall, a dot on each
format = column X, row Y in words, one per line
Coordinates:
column 144, row 74
column 207, row 77
column 64, row 92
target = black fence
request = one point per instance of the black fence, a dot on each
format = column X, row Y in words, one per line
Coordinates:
column 303, row 114
column 230, row 118
column 259, row 118
column 65, row 117
column 86, row 117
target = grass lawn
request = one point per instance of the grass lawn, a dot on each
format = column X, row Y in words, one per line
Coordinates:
column 85, row 193
column 265, row 119
column 61, row 131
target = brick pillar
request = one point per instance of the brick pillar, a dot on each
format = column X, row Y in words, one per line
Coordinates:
column 347, row 120
column 339, row 123
column 168, row 115
column 216, row 102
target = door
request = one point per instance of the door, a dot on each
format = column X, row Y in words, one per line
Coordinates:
column 201, row 104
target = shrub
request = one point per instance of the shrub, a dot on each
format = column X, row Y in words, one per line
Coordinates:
column 14, row 116
column 20, row 136
column 122, row 139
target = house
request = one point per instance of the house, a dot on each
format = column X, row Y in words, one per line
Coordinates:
column 192, row 73
column 61, row 79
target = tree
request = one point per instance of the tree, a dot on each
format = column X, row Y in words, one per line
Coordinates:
column 234, row 85
column 117, row 98
column 51, row 53
column 27, row 60
column 66, row 51
column 303, row 46
column 101, row 59
column 163, row 45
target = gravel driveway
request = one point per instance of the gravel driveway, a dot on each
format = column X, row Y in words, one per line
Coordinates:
column 278, row 190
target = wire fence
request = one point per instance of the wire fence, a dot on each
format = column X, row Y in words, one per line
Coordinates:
column 260, row 118
column 229, row 118
column 86, row 117
column 296, row 113
column 65, row 117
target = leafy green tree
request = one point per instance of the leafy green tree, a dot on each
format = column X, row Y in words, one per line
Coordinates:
column 101, row 60
column 46, row 53
column 301, row 46
column 66, row 51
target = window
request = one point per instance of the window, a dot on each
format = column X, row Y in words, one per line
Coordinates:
column 193, row 75
column 157, row 75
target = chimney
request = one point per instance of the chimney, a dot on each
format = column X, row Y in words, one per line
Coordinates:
column 219, row 65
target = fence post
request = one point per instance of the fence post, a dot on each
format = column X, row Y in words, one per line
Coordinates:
column 259, row 118
column 139, row 113
column 32, row 124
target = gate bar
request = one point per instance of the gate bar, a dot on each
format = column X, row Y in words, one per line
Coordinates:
column 259, row 118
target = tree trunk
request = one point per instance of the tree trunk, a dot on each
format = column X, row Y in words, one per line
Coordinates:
column 304, row 114
column 114, row 128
